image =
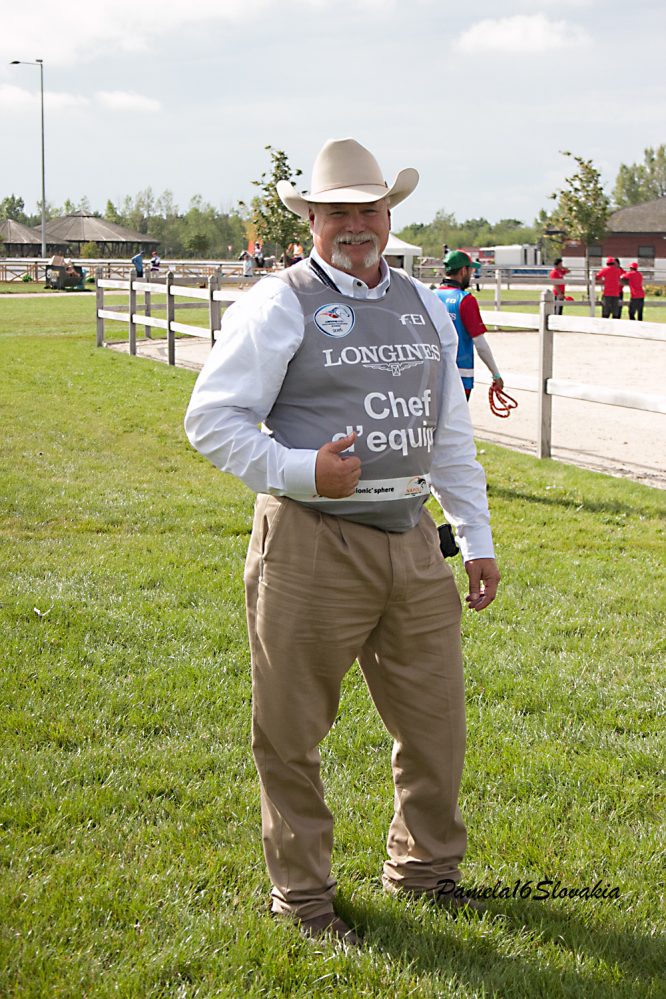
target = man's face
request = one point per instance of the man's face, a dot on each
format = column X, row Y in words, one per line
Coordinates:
column 351, row 237
column 465, row 276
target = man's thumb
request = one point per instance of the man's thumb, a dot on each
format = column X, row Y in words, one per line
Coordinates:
column 342, row 444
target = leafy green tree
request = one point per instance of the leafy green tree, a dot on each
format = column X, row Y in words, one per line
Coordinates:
column 111, row 213
column 274, row 223
column 13, row 207
column 90, row 251
column 641, row 182
column 582, row 206
column 475, row 232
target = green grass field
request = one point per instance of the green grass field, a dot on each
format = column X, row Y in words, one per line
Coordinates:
column 129, row 812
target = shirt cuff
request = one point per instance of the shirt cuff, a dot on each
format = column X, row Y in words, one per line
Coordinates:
column 299, row 473
column 475, row 542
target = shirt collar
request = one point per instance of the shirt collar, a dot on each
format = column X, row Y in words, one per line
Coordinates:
column 352, row 286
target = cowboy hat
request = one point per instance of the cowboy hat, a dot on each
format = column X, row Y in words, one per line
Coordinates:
column 345, row 171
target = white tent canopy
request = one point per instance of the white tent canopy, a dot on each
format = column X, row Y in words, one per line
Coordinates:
column 401, row 254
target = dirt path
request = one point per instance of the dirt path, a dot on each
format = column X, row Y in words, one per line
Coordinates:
column 618, row 441
column 623, row 442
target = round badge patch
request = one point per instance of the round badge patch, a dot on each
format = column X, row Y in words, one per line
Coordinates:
column 335, row 320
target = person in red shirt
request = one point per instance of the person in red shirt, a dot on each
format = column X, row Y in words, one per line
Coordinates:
column 634, row 279
column 556, row 276
column 609, row 276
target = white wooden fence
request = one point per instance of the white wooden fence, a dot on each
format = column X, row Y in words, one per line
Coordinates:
column 547, row 324
column 13, row 268
column 170, row 288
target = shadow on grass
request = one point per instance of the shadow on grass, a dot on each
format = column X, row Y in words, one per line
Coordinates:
column 629, row 962
column 576, row 504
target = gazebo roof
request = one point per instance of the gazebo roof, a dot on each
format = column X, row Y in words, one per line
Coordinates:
column 396, row 246
column 648, row 217
column 18, row 233
column 83, row 228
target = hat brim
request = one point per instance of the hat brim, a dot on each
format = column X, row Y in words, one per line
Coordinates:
column 402, row 187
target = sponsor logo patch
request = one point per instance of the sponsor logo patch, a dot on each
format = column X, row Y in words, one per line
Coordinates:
column 336, row 320
column 417, row 486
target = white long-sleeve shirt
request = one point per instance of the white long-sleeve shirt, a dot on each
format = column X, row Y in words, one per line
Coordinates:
column 242, row 377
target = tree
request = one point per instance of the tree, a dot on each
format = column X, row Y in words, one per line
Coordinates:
column 111, row 212
column 274, row 223
column 13, row 207
column 89, row 251
column 582, row 206
column 641, row 182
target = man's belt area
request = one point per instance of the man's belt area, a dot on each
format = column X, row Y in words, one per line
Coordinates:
column 407, row 487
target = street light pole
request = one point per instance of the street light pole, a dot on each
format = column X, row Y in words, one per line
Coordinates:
column 40, row 63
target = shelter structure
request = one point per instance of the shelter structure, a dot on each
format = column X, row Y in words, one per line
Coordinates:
column 398, row 253
column 634, row 233
column 67, row 235
column 20, row 240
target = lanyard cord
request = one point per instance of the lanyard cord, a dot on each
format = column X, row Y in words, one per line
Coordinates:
column 323, row 276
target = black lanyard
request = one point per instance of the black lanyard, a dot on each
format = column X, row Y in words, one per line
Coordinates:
column 323, row 276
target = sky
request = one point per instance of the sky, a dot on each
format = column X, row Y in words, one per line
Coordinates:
column 185, row 96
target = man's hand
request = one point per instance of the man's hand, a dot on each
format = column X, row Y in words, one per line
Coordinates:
column 337, row 475
column 484, row 579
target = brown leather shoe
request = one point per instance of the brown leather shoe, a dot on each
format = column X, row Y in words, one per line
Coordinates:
column 326, row 925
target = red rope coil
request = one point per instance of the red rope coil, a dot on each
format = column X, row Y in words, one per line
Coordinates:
column 501, row 403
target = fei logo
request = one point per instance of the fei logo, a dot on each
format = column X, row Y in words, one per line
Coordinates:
column 335, row 320
column 412, row 319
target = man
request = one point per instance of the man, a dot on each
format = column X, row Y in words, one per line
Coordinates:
column 559, row 288
column 464, row 311
column 351, row 367
column 609, row 277
column 634, row 279
column 154, row 262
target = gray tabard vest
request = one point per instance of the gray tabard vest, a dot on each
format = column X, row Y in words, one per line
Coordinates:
column 373, row 366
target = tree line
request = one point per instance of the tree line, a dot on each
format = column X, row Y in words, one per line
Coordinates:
column 202, row 230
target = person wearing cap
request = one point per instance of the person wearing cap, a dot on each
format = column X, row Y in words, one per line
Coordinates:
column 609, row 277
column 634, row 279
column 350, row 366
column 464, row 311
column 557, row 275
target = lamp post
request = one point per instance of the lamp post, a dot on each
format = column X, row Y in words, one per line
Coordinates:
column 40, row 63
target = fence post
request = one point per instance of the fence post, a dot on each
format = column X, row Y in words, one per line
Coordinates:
column 99, row 305
column 592, row 293
column 146, row 303
column 498, row 288
column 132, row 311
column 170, row 316
column 214, row 307
column 545, row 410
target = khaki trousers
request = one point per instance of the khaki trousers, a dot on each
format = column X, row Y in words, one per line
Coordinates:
column 322, row 592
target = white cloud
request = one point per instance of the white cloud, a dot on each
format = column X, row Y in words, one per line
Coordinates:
column 525, row 33
column 36, row 31
column 18, row 100
column 118, row 100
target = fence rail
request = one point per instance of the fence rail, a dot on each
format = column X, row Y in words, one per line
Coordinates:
column 170, row 289
column 546, row 323
column 14, row 268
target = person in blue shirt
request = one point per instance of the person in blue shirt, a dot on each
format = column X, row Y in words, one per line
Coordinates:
column 464, row 311
column 137, row 260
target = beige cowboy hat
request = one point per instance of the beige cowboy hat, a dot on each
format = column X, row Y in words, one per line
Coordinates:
column 345, row 171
